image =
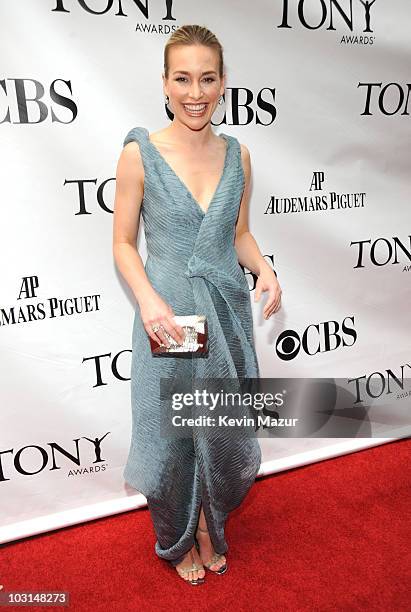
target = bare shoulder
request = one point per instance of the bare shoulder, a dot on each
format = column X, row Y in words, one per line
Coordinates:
column 131, row 151
column 245, row 159
column 245, row 153
column 130, row 164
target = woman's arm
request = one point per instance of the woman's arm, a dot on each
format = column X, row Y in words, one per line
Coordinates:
column 249, row 255
column 126, row 222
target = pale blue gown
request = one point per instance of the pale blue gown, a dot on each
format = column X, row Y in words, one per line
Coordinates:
column 192, row 264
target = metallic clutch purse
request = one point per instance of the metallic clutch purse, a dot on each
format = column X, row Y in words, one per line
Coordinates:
column 195, row 341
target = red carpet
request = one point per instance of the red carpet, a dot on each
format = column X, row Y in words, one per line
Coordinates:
column 330, row 536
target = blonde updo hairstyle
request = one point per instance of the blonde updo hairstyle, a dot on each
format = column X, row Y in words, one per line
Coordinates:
column 193, row 35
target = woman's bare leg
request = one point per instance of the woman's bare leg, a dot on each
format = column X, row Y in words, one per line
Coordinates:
column 206, row 547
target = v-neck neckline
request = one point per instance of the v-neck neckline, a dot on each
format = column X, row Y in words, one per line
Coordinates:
column 217, row 189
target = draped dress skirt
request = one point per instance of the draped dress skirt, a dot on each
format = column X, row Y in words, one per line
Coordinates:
column 192, row 264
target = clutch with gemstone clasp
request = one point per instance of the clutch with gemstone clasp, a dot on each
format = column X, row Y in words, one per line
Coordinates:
column 195, row 338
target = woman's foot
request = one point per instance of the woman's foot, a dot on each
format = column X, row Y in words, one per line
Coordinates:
column 191, row 568
column 207, row 552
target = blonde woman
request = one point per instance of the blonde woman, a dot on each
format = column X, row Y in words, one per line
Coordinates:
column 192, row 189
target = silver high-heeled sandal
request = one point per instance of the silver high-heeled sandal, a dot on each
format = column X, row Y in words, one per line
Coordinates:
column 215, row 558
column 183, row 571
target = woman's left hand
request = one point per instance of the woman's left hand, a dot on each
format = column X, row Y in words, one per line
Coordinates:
column 267, row 281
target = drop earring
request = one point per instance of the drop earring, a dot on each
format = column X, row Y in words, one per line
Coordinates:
column 220, row 102
column 167, row 100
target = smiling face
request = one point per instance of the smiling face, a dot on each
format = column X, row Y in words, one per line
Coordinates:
column 193, row 85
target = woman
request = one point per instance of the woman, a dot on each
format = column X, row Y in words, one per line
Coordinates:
column 192, row 188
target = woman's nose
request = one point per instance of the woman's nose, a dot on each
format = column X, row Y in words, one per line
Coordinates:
column 196, row 90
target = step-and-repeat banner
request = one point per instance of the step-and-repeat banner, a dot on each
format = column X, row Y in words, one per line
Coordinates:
column 320, row 93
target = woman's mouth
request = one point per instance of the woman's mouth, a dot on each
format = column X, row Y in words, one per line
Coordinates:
column 195, row 110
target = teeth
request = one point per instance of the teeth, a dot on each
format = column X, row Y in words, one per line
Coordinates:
column 195, row 107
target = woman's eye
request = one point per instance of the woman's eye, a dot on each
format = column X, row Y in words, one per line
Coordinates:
column 208, row 79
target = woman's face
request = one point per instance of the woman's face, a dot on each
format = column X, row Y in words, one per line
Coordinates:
column 193, row 85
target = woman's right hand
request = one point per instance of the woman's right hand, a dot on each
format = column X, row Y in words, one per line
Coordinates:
column 155, row 311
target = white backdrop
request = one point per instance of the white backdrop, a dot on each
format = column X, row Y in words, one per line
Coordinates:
column 320, row 96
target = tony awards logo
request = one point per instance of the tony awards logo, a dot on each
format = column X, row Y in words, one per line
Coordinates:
column 331, row 15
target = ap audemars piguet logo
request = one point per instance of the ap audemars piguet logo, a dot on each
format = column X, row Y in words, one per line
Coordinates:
column 31, row 309
column 317, row 200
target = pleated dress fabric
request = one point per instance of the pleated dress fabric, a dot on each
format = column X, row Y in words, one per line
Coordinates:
column 192, row 264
